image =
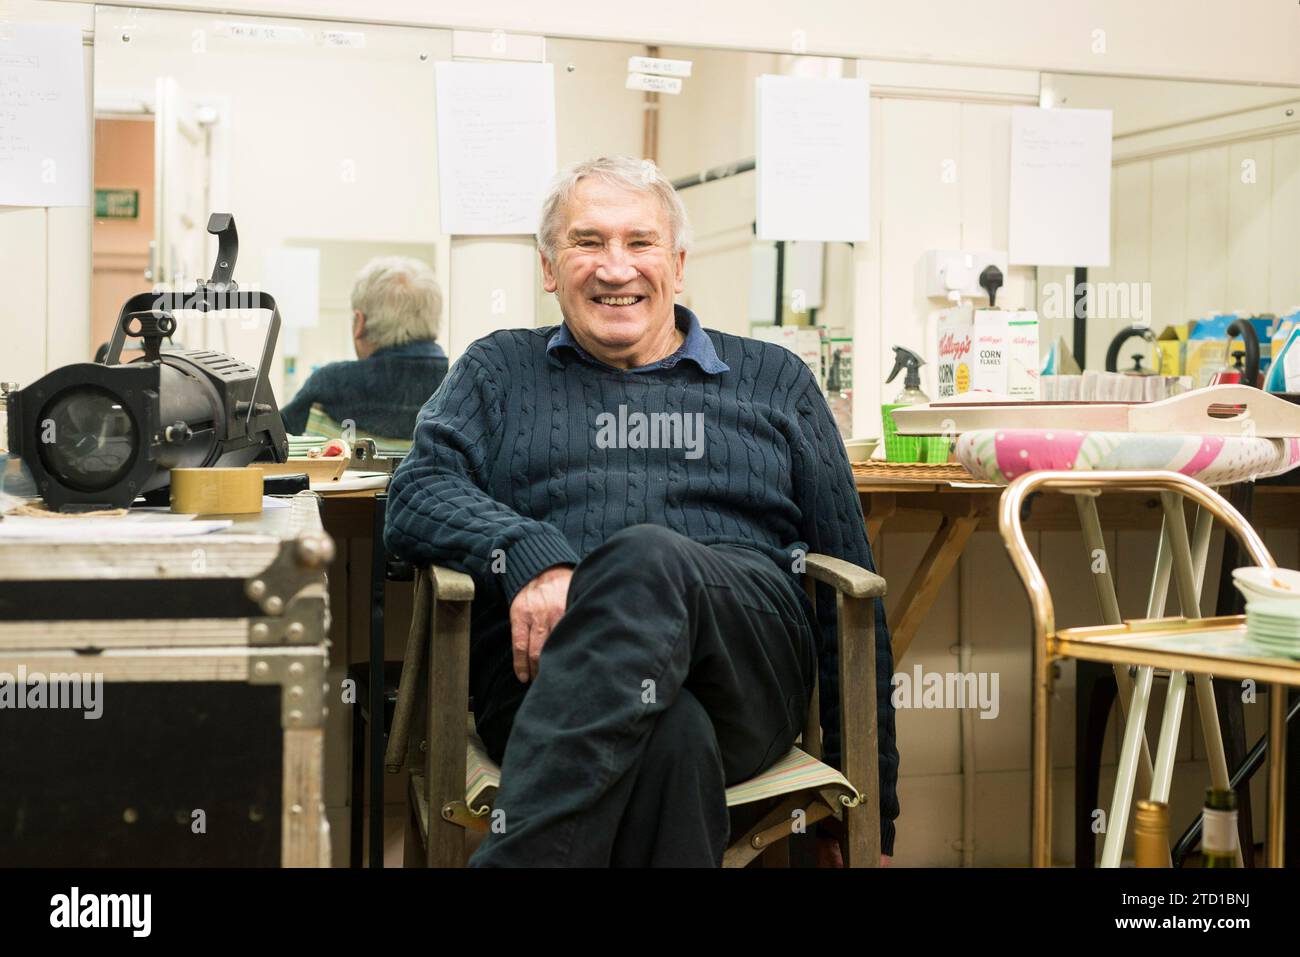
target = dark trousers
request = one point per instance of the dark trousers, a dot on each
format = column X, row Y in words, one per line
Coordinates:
column 677, row 670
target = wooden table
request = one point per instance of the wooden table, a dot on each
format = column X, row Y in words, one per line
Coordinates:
column 366, row 626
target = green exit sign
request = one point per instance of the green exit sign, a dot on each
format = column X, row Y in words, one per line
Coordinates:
column 117, row 204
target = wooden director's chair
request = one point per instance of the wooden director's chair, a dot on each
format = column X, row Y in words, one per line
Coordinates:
column 452, row 776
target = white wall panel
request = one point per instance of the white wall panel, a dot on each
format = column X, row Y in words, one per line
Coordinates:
column 1220, row 231
column 1284, row 226
column 1169, row 230
column 1207, row 231
column 1250, row 188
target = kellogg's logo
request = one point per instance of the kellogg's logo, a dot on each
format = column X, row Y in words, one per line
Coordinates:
column 951, row 345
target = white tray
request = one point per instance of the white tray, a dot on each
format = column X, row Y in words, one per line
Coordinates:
column 1214, row 410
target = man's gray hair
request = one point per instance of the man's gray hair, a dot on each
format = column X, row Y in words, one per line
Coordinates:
column 399, row 298
column 642, row 176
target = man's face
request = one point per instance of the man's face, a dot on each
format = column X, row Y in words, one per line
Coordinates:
column 615, row 271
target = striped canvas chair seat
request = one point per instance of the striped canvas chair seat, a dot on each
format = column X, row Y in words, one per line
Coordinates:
column 797, row 771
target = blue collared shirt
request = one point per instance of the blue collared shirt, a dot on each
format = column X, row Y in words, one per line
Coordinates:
column 697, row 347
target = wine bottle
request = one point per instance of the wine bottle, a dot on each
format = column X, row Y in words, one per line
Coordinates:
column 1151, row 834
column 1219, row 829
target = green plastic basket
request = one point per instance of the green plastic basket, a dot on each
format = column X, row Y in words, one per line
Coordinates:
column 911, row 448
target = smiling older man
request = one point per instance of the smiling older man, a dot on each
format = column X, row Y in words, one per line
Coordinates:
column 640, row 640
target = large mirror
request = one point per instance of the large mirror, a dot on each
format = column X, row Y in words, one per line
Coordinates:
column 1204, row 217
column 319, row 138
column 800, row 294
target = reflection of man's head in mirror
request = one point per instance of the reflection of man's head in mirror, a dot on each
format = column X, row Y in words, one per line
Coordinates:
column 395, row 300
column 613, row 240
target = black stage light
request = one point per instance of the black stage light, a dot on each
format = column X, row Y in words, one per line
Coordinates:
column 97, row 435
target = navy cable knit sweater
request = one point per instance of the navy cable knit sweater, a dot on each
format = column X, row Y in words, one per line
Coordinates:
column 510, row 474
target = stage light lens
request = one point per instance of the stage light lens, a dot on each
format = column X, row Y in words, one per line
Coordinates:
column 87, row 439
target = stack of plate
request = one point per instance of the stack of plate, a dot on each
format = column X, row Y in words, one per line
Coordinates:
column 1274, row 626
column 300, row 444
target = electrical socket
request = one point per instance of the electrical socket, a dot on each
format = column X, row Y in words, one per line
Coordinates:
column 943, row 267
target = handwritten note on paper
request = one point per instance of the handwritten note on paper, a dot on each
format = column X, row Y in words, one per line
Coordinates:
column 44, row 153
column 1060, row 187
column 814, row 159
column 496, row 145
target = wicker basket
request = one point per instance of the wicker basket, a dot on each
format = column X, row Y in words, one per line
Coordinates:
column 929, row 471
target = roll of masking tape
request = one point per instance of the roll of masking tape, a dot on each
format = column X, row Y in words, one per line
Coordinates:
column 217, row 491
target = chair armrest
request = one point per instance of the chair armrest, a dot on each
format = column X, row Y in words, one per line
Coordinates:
column 857, row 590
column 850, row 580
column 442, row 598
column 451, row 585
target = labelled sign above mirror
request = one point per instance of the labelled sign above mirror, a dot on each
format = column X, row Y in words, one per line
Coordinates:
column 351, row 39
column 657, row 66
column 653, row 84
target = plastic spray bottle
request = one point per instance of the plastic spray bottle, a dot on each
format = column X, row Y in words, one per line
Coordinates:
column 909, row 448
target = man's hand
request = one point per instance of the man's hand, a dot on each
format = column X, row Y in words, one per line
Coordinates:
column 534, row 612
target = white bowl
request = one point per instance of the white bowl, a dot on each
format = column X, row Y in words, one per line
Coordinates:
column 860, row 449
column 1267, row 584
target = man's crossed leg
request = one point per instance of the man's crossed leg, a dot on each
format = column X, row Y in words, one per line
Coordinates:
column 677, row 670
